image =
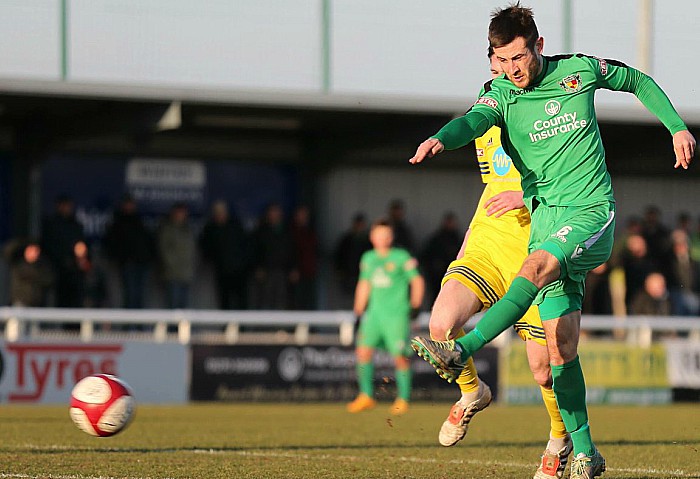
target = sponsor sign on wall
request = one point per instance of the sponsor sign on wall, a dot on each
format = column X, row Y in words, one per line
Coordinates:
column 46, row 372
column 615, row 373
column 310, row 373
column 683, row 364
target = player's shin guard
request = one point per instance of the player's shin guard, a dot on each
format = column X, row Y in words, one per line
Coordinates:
column 570, row 389
column 365, row 378
column 502, row 315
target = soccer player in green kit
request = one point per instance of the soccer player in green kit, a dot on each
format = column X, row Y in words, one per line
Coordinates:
column 545, row 108
column 389, row 289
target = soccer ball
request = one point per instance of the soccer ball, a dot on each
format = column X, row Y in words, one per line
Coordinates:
column 101, row 405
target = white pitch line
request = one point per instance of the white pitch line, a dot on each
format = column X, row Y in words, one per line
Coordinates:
column 676, row 473
column 71, row 476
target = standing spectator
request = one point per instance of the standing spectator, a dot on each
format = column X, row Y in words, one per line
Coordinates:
column 439, row 252
column 658, row 239
column 653, row 298
column 94, row 283
column 30, row 273
column 176, row 248
column 403, row 235
column 224, row 242
column 637, row 266
column 633, row 226
column 348, row 252
column 129, row 243
column 306, row 253
column 684, row 284
column 695, row 242
column 61, row 233
column 274, row 260
column 598, row 299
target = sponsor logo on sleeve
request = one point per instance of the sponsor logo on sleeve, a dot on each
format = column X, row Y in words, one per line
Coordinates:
column 571, row 83
column 479, row 152
column 484, row 100
column 603, row 65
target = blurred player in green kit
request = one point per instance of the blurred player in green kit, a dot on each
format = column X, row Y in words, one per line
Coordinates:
column 390, row 289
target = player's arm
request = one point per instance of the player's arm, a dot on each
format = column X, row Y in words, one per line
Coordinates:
column 503, row 202
column 416, row 285
column 617, row 76
column 362, row 291
column 460, row 131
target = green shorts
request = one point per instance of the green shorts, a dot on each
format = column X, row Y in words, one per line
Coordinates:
column 391, row 334
column 581, row 238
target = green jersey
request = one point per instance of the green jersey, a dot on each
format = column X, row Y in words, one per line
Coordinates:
column 389, row 277
column 550, row 129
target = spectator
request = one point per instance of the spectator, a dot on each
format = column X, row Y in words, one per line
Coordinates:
column 440, row 250
column 129, row 243
column 30, row 273
column 637, row 266
column 61, row 232
column 176, row 248
column 94, row 283
column 598, row 299
column 224, row 242
column 684, row 284
column 633, row 226
column 658, row 240
column 274, row 261
column 348, row 252
column 653, row 298
column 695, row 242
column 306, row 253
column 403, row 236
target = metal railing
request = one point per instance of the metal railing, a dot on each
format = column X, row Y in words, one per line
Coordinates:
column 298, row 327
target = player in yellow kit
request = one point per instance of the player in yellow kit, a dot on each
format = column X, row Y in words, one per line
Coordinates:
column 494, row 248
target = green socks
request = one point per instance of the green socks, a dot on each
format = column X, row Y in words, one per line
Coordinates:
column 500, row 316
column 365, row 378
column 570, row 389
column 403, row 384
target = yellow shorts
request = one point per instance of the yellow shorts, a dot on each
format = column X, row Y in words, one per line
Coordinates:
column 489, row 274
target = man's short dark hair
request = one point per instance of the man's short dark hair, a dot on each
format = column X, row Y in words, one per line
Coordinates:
column 511, row 22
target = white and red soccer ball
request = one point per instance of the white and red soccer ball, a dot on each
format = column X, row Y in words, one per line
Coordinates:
column 101, row 405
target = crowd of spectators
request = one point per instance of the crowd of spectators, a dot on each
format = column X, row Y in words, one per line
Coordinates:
column 653, row 270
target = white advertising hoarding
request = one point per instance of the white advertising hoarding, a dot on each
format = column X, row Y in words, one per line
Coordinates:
column 45, row 372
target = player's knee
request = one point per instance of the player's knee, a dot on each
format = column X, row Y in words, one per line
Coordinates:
column 543, row 377
column 541, row 268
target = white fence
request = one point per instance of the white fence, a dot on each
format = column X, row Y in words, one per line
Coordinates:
column 296, row 327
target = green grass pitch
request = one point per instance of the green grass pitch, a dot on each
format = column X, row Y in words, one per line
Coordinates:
column 323, row 441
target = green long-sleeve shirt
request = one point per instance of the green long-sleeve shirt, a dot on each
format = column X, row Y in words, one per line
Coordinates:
column 550, row 128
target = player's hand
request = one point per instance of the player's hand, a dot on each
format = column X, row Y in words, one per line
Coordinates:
column 684, row 147
column 429, row 148
column 504, row 202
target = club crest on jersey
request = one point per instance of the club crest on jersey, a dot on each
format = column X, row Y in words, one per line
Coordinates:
column 484, row 100
column 571, row 83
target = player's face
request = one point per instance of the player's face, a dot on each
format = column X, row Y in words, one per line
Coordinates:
column 381, row 237
column 520, row 64
column 496, row 68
